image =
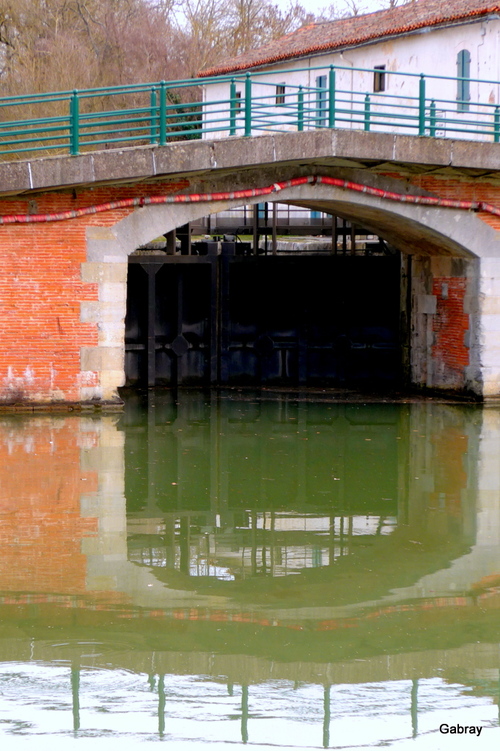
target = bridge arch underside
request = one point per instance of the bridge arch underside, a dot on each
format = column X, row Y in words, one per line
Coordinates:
column 411, row 316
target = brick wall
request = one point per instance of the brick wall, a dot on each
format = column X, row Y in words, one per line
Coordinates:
column 450, row 324
column 41, row 292
column 459, row 323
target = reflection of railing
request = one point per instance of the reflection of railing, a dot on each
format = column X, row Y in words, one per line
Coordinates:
column 269, row 543
column 156, row 113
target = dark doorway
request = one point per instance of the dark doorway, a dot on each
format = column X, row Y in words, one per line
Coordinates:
column 263, row 320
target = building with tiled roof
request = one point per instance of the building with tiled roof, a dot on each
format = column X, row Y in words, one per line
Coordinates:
column 415, row 17
column 378, row 60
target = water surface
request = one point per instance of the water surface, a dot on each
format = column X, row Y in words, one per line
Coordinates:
column 218, row 570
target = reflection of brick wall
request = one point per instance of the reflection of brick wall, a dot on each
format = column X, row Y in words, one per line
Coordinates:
column 450, row 476
column 41, row 527
column 450, row 322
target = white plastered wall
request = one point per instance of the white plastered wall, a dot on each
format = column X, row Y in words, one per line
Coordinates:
column 432, row 52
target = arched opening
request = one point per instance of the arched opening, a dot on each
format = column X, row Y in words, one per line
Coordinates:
column 236, row 311
column 224, row 315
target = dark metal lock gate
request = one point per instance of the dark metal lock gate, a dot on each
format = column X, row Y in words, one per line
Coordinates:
column 262, row 320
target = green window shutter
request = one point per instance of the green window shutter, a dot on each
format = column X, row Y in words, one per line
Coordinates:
column 463, row 80
column 321, row 102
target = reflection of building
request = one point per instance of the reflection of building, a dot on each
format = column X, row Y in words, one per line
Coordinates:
column 245, row 488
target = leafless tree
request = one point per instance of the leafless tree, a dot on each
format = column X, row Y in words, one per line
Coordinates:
column 60, row 44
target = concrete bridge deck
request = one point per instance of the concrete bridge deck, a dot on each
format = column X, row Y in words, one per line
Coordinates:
column 376, row 153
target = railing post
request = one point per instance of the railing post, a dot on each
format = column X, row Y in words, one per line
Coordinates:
column 248, row 105
column 153, row 115
column 232, row 108
column 421, row 106
column 432, row 119
column 331, row 97
column 300, row 109
column 367, row 112
column 496, row 120
column 74, row 119
column 163, row 113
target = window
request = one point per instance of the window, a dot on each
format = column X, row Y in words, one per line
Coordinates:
column 280, row 93
column 237, row 103
column 379, row 78
column 321, row 101
column 463, row 80
column 262, row 210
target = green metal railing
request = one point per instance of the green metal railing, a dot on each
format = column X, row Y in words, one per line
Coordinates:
column 245, row 105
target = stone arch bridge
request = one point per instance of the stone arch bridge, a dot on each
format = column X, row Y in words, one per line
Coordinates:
column 63, row 284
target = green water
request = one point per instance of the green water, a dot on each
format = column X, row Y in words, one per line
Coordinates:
column 218, row 570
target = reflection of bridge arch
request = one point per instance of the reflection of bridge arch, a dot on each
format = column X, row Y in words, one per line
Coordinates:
column 319, row 466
